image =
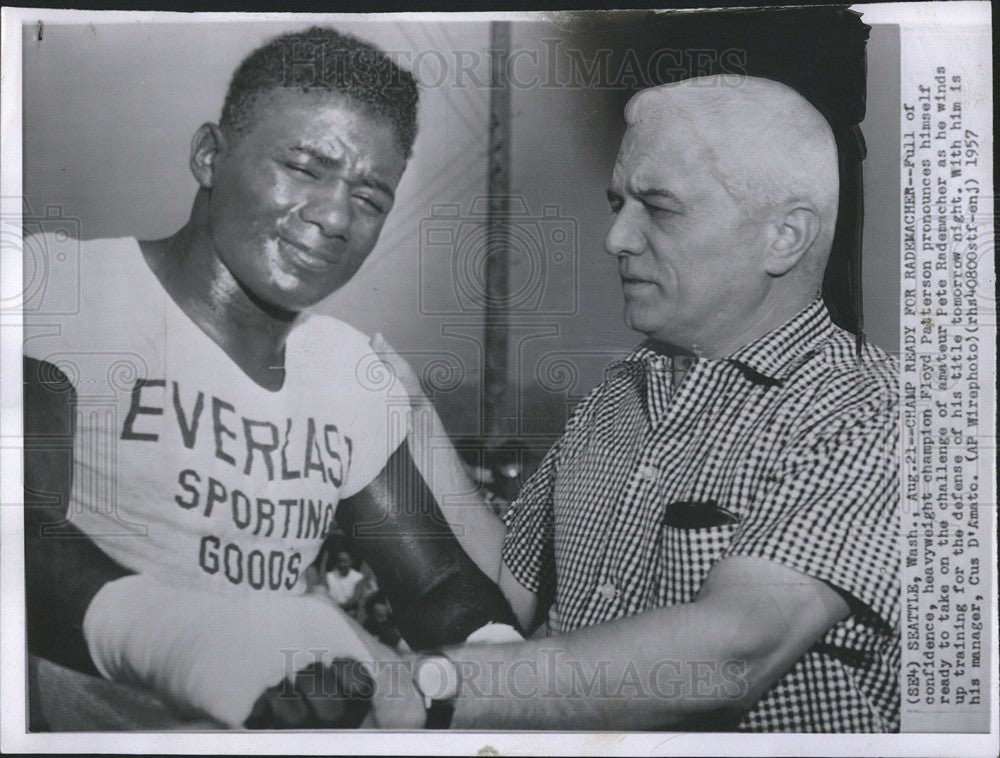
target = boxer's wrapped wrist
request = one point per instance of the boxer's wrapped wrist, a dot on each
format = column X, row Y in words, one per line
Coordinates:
column 105, row 619
column 212, row 654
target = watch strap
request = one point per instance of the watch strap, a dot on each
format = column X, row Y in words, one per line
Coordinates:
column 440, row 714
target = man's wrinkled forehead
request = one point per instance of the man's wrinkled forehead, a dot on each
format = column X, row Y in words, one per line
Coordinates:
column 642, row 156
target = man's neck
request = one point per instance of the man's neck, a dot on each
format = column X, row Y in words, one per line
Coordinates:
column 772, row 314
column 251, row 333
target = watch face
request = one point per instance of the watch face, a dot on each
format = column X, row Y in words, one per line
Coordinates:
column 436, row 678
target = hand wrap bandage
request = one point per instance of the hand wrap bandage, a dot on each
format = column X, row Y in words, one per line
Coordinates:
column 212, row 654
column 494, row 634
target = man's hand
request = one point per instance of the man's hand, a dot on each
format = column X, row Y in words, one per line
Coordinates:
column 217, row 655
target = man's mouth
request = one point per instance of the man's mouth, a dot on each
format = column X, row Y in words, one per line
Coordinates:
column 307, row 257
column 634, row 281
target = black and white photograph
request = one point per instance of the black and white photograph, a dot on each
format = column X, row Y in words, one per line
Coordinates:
column 563, row 382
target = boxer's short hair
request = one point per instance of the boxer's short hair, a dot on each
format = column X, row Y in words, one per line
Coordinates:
column 323, row 59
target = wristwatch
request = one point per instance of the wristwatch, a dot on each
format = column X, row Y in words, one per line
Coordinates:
column 435, row 677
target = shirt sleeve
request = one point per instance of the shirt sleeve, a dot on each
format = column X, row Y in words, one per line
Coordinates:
column 830, row 509
column 528, row 549
column 378, row 429
column 368, row 396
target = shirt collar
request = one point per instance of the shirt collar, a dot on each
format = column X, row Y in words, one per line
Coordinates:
column 770, row 358
column 779, row 351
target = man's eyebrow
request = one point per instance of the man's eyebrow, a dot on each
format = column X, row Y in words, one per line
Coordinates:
column 330, row 161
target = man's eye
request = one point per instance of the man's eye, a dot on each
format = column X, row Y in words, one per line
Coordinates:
column 656, row 210
column 616, row 206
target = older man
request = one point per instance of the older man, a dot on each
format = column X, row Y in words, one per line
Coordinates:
column 713, row 537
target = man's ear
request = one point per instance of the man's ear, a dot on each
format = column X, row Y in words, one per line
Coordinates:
column 793, row 235
column 206, row 145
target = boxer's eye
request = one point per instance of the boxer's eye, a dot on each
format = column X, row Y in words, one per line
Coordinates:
column 371, row 203
column 300, row 169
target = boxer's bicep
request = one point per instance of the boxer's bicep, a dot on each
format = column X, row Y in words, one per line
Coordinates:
column 63, row 568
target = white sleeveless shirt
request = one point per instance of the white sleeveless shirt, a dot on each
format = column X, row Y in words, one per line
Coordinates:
column 183, row 467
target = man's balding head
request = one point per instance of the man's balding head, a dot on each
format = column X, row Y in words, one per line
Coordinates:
column 725, row 197
column 764, row 142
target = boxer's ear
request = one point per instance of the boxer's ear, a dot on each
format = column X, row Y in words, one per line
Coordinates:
column 792, row 235
column 206, row 145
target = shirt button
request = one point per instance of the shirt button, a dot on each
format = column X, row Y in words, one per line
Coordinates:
column 648, row 472
column 607, row 591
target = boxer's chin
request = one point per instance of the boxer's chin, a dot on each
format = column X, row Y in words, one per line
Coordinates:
column 292, row 293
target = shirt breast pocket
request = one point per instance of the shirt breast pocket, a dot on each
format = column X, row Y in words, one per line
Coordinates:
column 697, row 514
column 694, row 536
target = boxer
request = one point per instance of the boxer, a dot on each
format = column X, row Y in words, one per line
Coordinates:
column 170, row 518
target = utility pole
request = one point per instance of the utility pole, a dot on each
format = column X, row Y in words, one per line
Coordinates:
column 495, row 316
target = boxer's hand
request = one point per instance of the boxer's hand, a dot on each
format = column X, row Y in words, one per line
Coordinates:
column 216, row 655
column 341, row 695
column 334, row 696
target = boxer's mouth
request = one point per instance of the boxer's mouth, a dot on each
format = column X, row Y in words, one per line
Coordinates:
column 308, row 257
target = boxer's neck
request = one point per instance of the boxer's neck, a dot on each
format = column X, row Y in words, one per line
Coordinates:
column 251, row 333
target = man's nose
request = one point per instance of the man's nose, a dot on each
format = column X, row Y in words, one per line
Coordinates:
column 329, row 208
column 625, row 235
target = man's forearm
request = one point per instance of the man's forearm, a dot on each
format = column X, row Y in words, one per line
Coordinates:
column 694, row 665
column 478, row 529
column 658, row 670
column 438, row 593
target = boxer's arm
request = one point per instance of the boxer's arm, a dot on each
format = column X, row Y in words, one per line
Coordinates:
column 479, row 530
column 438, row 594
column 63, row 568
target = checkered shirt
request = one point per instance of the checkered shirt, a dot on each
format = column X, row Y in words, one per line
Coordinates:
column 786, row 450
